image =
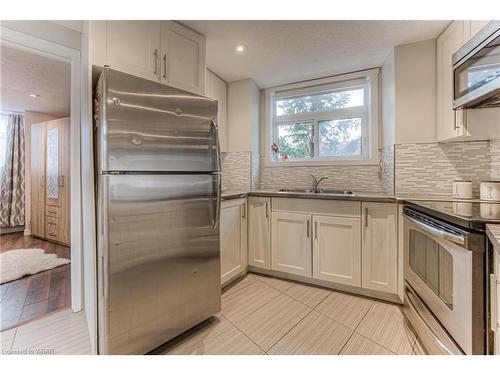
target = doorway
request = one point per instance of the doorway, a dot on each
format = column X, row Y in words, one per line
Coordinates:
column 35, row 164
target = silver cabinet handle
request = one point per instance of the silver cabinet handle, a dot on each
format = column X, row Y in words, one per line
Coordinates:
column 366, row 216
column 316, row 230
column 165, row 66
column 155, row 54
column 244, row 214
column 267, row 210
column 307, row 230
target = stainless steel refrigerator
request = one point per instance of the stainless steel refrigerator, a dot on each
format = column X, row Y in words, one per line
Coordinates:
column 158, row 205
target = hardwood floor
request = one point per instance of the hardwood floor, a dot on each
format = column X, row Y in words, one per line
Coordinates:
column 37, row 295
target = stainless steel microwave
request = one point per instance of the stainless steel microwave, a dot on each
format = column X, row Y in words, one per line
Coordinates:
column 476, row 70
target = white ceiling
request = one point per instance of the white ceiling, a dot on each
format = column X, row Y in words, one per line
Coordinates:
column 24, row 73
column 288, row 51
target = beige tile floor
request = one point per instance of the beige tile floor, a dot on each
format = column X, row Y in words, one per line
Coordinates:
column 265, row 315
column 62, row 332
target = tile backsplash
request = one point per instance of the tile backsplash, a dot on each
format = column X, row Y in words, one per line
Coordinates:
column 495, row 159
column 357, row 178
column 237, row 170
column 429, row 169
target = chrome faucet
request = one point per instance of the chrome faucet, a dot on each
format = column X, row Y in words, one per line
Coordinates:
column 316, row 181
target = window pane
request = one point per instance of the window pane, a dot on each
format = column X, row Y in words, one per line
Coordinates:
column 294, row 140
column 340, row 137
column 320, row 102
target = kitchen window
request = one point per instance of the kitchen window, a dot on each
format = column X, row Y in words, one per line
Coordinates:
column 326, row 121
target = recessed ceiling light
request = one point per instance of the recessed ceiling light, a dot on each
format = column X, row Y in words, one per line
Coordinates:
column 34, row 95
column 240, row 48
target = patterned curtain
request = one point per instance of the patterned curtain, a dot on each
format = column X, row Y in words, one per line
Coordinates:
column 12, row 174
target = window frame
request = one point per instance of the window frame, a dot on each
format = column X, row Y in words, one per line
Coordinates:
column 369, row 113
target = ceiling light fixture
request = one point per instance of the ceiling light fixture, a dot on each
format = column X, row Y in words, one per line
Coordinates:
column 34, row 95
column 240, row 48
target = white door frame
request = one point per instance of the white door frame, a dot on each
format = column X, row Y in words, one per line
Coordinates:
column 56, row 51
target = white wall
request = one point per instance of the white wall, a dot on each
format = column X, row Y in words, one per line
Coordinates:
column 388, row 101
column 47, row 30
column 415, row 92
column 30, row 118
column 243, row 116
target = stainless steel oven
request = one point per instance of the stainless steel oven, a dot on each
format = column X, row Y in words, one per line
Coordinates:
column 444, row 284
column 476, row 70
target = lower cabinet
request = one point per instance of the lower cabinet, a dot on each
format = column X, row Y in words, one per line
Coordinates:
column 356, row 246
column 291, row 243
column 337, row 249
column 233, row 239
column 380, row 251
column 259, row 232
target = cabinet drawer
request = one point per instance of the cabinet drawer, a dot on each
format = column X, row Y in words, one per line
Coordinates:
column 318, row 206
column 52, row 211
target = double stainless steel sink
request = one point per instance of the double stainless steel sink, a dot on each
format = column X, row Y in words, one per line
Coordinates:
column 318, row 191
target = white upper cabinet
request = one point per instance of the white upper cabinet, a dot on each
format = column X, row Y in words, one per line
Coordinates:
column 380, row 252
column 182, row 57
column 450, row 123
column 259, row 232
column 291, row 243
column 337, row 250
column 471, row 124
column 129, row 46
column 233, row 239
column 216, row 88
column 162, row 51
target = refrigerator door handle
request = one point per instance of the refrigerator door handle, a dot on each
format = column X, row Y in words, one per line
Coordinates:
column 218, row 163
column 218, row 202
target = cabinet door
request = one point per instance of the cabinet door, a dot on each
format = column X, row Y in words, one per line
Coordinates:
column 216, row 88
column 380, row 254
column 450, row 123
column 132, row 47
column 232, row 239
column 183, row 57
column 337, row 250
column 291, row 243
column 38, row 179
column 259, row 232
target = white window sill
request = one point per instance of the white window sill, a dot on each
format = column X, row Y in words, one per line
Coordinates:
column 321, row 163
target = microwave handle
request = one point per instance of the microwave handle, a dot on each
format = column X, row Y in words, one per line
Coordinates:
column 437, row 232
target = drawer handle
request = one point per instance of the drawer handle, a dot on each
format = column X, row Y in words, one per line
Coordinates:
column 267, row 210
column 308, row 224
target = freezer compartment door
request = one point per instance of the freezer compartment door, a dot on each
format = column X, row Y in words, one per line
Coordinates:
column 162, row 266
column 147, row 126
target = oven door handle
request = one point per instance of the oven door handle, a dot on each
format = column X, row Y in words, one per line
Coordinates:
column 436, row 232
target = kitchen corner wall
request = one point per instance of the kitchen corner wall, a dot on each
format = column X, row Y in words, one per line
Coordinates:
column 240, row 170
column 429, row 169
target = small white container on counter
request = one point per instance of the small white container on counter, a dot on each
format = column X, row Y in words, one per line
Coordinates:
column 462, row 189
column 490, row 191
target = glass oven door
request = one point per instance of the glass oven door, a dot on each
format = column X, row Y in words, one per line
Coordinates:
column 440, row 272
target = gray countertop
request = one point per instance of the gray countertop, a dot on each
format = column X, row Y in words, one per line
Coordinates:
column 359, row 196
column 493, row 232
